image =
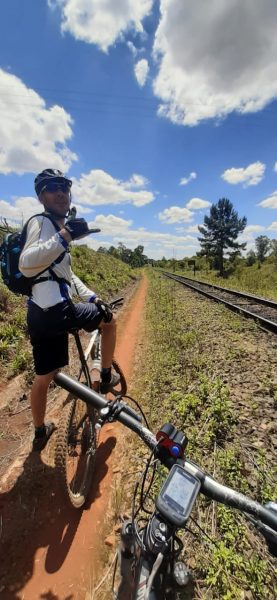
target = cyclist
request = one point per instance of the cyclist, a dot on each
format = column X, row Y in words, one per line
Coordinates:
column 51, row 312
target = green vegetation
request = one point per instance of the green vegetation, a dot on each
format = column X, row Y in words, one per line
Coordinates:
column 180, row 384
column 104, row 274
column 101, row 272
column 259, row 279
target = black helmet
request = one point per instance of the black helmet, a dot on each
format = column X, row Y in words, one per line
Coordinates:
column 50, row 175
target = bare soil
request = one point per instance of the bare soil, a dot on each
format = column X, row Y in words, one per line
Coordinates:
column 49, row 550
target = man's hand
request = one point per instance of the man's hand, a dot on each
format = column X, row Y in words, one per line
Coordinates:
column 77, row 228
column 104, row 307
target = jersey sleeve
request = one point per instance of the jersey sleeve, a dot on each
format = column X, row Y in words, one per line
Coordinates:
column 42, row 247
column 80, row 289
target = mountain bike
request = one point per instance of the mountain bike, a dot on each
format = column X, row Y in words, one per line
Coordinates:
column 149, row 555
column 76, row 440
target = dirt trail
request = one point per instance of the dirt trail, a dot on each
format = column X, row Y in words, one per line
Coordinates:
column 49, row 551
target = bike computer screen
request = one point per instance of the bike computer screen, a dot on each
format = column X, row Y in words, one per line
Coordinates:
column 177, row 496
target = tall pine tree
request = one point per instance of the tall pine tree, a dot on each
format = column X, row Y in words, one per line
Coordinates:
column 220, row 231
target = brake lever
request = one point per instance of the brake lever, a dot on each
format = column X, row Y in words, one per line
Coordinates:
column 116, row 303
column 268, row 534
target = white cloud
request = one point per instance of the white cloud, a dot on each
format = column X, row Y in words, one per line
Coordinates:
column 186, row 180
column 192, row 229
column 141, row 71
column 156, row 244
column 251, row 175
column 102, row 22
column 110, row 224
column 136, row 181
column 20, row 209
column 270, row 202
column 175, row 214
column 275, row 167
column 132, row 48
column 273, row 226
column 214, row 58
column 82, row 210
column 32, row 136
column 98, row 187
column 253, row 229
column 197, row 204
column 249, row 234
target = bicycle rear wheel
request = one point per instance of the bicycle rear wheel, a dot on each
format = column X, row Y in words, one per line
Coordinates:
column 75, row 450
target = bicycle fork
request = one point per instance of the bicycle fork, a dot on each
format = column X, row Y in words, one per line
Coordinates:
column 126, row 560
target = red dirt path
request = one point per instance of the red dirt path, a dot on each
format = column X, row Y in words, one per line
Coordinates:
column 50, row 551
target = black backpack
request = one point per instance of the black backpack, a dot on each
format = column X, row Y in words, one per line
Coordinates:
column 10, row 251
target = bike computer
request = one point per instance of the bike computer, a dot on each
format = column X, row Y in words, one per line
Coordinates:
column 177, row 496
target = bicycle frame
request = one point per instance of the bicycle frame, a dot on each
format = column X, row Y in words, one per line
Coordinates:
column 95, row 339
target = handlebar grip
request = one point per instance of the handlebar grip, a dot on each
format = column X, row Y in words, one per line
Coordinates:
column 95, row 230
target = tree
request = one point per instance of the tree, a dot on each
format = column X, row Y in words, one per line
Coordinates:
column 262, row 243
column 273, row 253
column 220, row 231
column 138, row 259
column 135, row 258
column 251, row 258
column 113, row 251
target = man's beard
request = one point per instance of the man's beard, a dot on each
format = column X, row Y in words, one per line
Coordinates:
column 57, row 214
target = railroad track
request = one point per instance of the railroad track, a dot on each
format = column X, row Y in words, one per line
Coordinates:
column 262, row 310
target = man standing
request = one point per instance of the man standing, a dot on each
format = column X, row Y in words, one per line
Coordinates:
column 51, row 312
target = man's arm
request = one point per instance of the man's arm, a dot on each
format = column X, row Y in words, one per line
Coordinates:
column 80, row 289
column 42, row 247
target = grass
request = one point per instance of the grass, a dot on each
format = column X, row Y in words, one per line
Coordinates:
column 180, row 385
column 259, row 279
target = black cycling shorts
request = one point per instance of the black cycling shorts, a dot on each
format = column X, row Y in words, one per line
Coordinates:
column 48, row 330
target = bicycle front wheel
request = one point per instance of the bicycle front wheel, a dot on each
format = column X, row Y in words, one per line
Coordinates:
column 75, row 450
column 121, row 388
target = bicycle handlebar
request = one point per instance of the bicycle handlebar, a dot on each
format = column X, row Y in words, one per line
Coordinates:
column 209, row 486
column 117, row 302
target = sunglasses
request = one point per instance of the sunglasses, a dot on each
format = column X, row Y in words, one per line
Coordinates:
column 56, row 187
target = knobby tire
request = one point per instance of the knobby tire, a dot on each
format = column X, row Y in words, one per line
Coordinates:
column 75, row 450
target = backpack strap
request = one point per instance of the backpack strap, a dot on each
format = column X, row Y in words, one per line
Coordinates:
column 53, row 277
column 43, row 214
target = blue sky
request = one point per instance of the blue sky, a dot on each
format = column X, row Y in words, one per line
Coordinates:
column 156, row 109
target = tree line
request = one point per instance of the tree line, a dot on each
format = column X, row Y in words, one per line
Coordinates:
column 133, row 258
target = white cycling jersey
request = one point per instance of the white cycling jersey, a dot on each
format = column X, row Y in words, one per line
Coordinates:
column 43, row 246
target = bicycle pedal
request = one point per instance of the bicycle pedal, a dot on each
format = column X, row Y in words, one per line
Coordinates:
column 181, row 574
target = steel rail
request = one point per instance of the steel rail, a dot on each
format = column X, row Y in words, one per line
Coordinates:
column 259, row 299
column 264, row 322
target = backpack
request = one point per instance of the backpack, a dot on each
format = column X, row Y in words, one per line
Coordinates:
column 10, row 251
